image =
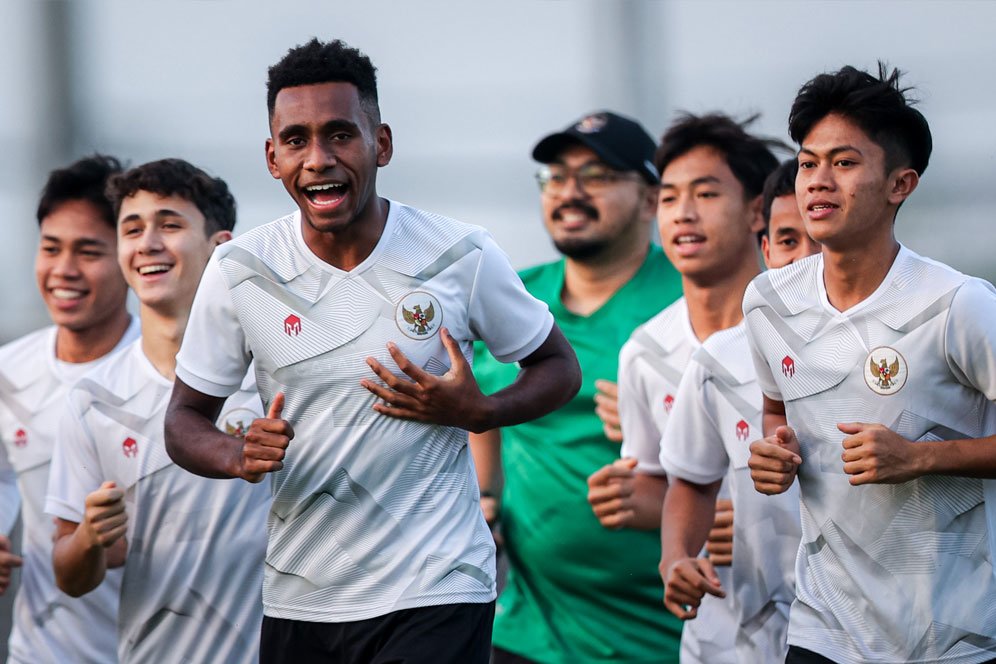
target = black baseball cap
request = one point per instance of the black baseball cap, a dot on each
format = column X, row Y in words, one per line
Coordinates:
column 617, row 140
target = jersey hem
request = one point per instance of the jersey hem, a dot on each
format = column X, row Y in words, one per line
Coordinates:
column 305, row 615
column 527, row 349
column 204, row 385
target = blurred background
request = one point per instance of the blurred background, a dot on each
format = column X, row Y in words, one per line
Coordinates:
column 468, row 88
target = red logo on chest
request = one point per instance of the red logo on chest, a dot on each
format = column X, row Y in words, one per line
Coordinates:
column 20, row 438
column 788, row 367
column 292, row 326
column 743, row 430
column 130, row 447
column 668, row 403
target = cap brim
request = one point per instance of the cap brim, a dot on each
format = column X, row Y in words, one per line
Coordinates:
column 549, row 148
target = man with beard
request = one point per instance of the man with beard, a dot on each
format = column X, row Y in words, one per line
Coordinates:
column 576, row 591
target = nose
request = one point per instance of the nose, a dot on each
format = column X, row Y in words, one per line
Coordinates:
column 819, row 177
column 572, row 191
column 685, row 209
column 319, row 157
column 66, row 265
column 150, row 242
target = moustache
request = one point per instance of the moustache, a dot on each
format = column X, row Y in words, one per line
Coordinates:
column 575, row 205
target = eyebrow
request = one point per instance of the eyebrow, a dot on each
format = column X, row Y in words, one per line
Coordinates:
column 705, row 179
column 331, row 125
column 833, row 151
column 80, row 242
column 159, row 214
column 783, row 231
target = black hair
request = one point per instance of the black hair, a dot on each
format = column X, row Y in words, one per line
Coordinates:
column 781, row 182
column 83, row 180
column 176, row 177
column 879, row 106
column 750, row 158
column 320, row 62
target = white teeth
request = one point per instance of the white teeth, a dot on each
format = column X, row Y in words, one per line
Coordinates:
column 688, row 239
column 323, row 187
column 66, row 294
column 822, row 207
column 152, row 269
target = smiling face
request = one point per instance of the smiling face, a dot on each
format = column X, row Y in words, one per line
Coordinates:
column 708, row 227
column 76, row 268
column 585, row 224
column 326, row 150
column 844, row 192
column 787, row 240
column 162, row 248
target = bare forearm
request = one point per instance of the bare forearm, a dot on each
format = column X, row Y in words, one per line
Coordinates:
column 549, row 378
column 963, row 458
column 486, row 449
column 192, row 440
column 79, row 564
column 688, row 514
column 772, row 416
column 649, row 493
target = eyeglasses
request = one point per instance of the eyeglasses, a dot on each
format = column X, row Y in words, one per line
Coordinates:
column 592, row 179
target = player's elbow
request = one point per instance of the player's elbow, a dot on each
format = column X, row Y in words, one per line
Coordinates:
column 571, row 376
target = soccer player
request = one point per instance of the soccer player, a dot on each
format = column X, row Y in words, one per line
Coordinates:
column 192, row 571
column 359, row 313
column 879, row 375
column 577, row 592
column 784, row 238
column 717, row 406
column 79, row 280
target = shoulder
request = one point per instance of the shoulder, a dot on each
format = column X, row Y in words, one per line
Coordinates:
column 919, row 289
column 788, row 290
column 114, row 380
column 420, row 240
column 667, row 326
column 24, row 359
column 270, row 249
column 726, row 356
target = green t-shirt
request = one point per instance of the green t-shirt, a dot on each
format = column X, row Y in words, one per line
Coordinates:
column 577, row 592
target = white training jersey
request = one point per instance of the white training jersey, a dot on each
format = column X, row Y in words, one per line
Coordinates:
column 193, row 572
column 49, row 626
column 717, row 415
column 885, row 572
column 651, row 364
column 371, row 514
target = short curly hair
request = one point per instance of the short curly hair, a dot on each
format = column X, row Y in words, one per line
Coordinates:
column 176, row 177
column 750, row 158
column 320, row 62
column 878, row 105
column 83, row 180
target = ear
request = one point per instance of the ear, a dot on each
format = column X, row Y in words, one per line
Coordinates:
column 766, row 250
column 271, row 159
column 904, row 181
column 650, row 198
column 385, row 145
column 756, row 219
column 220, row 237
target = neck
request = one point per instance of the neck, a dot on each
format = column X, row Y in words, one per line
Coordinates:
column 78, row 346
column 851, row 275
column 162, row 333
column 351, row 245
column 717, row 304
column 590, row 284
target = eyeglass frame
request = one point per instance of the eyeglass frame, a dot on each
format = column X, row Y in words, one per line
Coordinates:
column 576, row 175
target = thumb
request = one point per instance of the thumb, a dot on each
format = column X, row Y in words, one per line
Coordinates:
column 852, row 428
column 276, row 407
column 109, row 485
column 457, row 360
column 628, row 463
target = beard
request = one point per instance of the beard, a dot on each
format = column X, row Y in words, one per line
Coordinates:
column 581, row 249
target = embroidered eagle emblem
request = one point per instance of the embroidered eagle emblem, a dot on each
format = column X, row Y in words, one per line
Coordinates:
column 238, row 429
column 419, row 319
column 885, row 374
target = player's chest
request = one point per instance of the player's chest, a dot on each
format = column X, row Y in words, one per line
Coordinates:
column 736, row 412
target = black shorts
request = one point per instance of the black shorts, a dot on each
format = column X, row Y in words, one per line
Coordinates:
column 457, row 633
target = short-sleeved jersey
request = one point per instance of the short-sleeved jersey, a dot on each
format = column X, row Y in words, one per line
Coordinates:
column 371, row 514
column 651, row 365
column 564, row 602
column 47, row 622
column 193, row 572
column 717, row 414
column 885, row 572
